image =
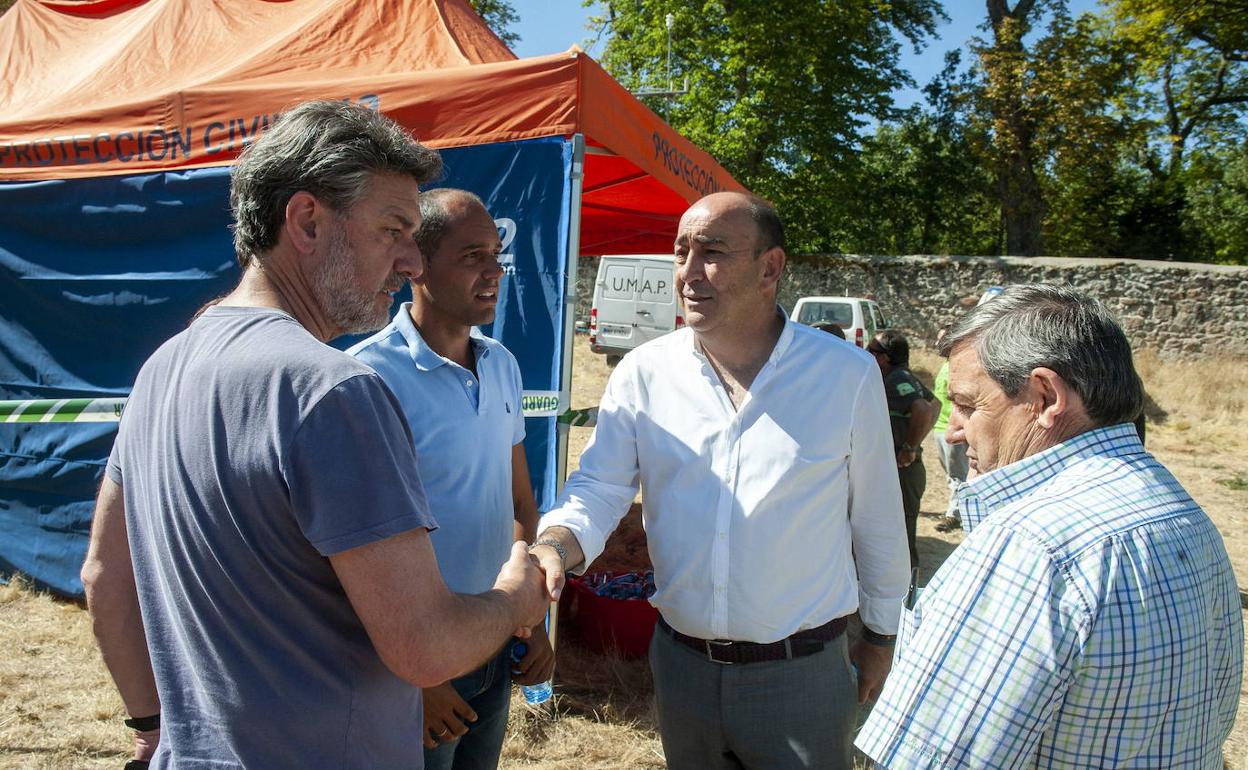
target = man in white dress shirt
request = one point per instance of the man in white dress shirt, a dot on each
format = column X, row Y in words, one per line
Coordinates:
column 772, row 508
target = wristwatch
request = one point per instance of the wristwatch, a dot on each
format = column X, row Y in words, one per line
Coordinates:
column 880, row 640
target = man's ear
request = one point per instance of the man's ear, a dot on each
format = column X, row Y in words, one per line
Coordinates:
column 305, row 221
column 1052, row 397
column 773, row 265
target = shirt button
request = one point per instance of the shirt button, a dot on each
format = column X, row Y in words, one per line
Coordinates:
column 468, row 383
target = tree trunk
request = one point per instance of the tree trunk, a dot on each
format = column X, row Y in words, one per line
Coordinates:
column 1022, row 203
column 1018, row 188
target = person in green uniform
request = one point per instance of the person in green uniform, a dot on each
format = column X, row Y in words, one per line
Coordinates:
column 912, row 410
column 952, row 456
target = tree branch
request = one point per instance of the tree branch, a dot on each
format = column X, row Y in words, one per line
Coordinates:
column 1022, row 9
column 1212, row 42
column 1213, row 99
column 997, row 11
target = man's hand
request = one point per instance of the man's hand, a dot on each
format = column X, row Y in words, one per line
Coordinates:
column 906, row 457
column 445, row 714
column 551, row 563
column 522, row 581
column 873, row 662
column 538, row 662
column 554, row 563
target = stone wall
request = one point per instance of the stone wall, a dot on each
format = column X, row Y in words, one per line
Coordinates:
column 1177, row 308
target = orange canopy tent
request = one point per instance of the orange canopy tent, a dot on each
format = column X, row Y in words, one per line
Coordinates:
column 118, row 119
column 126, row 86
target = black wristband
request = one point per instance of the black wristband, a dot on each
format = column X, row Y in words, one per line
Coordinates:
column 144, row 724
column 136, row 764
column 883, row 640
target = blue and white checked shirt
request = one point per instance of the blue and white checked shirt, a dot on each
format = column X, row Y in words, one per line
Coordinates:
column 1090, row 620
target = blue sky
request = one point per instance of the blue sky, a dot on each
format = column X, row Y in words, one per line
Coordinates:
column 550, row 26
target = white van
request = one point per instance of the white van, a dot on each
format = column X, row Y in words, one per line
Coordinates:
column 634, row 302
column 859, row 318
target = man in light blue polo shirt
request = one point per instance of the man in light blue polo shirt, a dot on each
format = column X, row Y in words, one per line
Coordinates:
column 460, row 391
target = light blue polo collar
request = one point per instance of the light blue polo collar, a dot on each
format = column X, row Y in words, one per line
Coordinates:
column 424, row 357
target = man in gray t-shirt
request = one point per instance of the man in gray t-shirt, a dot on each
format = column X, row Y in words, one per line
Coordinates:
column 262, row 507
column 260, row 617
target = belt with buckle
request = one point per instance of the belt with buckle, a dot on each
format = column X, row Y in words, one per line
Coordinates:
column 799, row 645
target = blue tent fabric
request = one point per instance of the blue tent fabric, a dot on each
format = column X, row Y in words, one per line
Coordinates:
column 96, row 273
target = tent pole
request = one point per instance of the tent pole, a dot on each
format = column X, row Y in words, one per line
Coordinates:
column 569, row 300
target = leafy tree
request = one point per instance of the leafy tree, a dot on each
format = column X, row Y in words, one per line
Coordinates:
column 1089, row 120
column 1047, row 103
column 1220, row 24
column 779, row 91
column 1192, row 81
column 1087, row 124
column 1217, row 204
column 921, row 188
column 1004, row 67
column 499, row 15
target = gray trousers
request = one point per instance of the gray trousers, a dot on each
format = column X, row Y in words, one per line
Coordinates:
column 778, row 715
column 953, row 460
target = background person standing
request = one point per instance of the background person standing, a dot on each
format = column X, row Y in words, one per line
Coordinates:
column 912, row 411
column 461, row 394
column 952, row 456
column 771, row 508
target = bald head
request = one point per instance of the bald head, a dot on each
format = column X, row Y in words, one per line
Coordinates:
column 440, row 209
column 765, row 221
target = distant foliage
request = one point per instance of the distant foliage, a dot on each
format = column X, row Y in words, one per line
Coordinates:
column 779, row 91
column 1116, row 133
column 499, row 15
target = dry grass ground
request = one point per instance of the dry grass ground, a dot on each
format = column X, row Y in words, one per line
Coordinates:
column 58, row 710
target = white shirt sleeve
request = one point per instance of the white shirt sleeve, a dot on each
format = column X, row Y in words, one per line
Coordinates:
column 600, row 492
column 876, row 521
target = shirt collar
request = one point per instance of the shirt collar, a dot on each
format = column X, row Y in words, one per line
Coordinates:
column 782, row 344
column 978, row 498
column 425, row 357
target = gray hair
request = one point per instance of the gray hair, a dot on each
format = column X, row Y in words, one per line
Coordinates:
column 435, row 216
column 1033, row 325
column 326, row 148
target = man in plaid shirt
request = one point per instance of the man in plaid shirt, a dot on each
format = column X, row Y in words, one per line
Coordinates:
column 1091, row 618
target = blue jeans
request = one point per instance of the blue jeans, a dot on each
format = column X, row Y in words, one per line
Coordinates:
column 488, row 691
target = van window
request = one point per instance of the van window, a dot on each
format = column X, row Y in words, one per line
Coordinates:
column 839, row 313
column 880, row 323
column 622, row 282
column 656, row 285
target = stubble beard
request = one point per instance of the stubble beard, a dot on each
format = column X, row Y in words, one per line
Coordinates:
column 349, row 306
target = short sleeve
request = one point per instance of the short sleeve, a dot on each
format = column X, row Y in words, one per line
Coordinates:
column 113, row 469
column 518, row 432
column 351, row 469
column 983, row 662
column 903, row 391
